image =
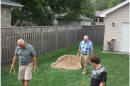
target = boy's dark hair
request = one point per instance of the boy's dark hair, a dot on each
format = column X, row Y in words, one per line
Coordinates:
column 95, row 59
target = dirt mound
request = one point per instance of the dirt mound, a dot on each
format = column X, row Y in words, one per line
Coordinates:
column 67, row 62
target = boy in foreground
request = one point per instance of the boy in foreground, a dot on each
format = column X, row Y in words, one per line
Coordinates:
column 99, row 74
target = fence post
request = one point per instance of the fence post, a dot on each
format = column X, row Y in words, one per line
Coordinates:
column 67, row 36
column 56, row 38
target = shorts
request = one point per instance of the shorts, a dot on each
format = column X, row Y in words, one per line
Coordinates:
column 25, row 72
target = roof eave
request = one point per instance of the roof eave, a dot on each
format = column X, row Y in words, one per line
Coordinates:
column 11, row 4
column 114, row 8
column 103, row 15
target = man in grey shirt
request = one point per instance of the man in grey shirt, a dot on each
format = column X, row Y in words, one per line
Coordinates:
column 26, row 56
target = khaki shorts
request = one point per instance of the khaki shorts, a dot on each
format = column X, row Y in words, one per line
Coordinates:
column 25, row 72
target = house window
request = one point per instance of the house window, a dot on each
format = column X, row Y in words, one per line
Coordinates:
column 101, row 19
column 95, row 20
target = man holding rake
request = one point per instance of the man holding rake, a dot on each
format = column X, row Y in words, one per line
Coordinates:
column 26, row 56
column 86, row 48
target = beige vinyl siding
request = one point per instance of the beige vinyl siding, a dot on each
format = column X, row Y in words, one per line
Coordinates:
column 5, row 16
column 118, row 16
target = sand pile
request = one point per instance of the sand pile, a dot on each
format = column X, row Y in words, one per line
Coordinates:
column 67, row 62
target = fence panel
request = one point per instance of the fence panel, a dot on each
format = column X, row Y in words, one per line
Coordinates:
column 95, row 33
column 46, row 38
column 43, row 39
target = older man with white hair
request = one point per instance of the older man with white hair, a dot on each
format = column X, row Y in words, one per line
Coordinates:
column 26, row 56
column 85, row 48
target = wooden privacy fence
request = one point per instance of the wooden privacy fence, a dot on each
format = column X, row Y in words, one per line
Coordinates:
column 46, row 38
column 95, row 33
column 43, row 39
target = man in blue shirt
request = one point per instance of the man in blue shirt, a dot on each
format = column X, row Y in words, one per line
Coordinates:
column 85, row 48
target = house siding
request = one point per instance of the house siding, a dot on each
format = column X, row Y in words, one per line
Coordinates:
column 5, row 16
column 118, row 16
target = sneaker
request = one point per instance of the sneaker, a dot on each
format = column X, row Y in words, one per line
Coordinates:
column 83, row 73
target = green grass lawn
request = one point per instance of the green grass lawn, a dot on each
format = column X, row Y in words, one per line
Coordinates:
column 117, row 66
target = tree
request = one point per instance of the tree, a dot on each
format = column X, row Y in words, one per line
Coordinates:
column 100, row 4
column 32, row 11
column 104, row 4
column 18, row 15
column 112, row 3
column 87, row 8
column 42, row 12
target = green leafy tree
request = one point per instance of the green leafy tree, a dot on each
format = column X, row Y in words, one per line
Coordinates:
column 101, row 4
column 112, row 3
column 17, row 15
column 41, row 12
column 87, row 8
column 104, row 4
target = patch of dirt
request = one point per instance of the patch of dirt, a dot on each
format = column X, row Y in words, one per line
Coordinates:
column 67, row 62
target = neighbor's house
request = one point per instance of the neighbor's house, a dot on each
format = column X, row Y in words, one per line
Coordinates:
column 117, row 23
column 98, row 19
column 59, row 20
column 6, row 7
